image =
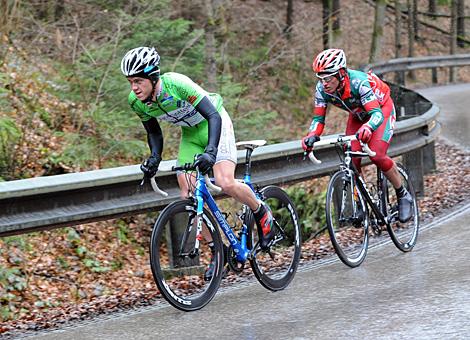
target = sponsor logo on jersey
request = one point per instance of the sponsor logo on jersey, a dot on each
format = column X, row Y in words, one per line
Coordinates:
column 368, row 98
column 167, row 100
column 380, row 95
column 192, row 99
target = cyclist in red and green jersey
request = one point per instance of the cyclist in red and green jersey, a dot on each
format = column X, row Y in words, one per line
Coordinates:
column 371, row 115
column 207, row 130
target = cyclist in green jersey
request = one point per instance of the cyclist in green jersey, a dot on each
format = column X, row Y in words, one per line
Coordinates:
column 206, row 127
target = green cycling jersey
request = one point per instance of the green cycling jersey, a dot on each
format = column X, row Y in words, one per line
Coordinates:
column 176, row 103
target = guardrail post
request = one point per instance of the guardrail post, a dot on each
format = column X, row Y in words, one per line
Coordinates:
column 178, row 227
column 429, row 158
column 400, row 78
column 413, row 161
column 434, row 75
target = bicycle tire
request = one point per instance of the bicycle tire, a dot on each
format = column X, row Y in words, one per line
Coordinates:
column 276, row 267
column 179, row 275
column 349, row 232
column 403, row 235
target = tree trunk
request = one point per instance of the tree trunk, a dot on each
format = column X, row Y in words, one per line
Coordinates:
column 411, row 33
column 336, row 27
column 398, row 45
column 398, row 75
column 327, row 6
column 460, row 23
column 432, row 7
column 377, row 34
column 415, row 20
column 8, row 10
column 453, row 36
column 4, row 16
column 211, row 66
column 289, row 18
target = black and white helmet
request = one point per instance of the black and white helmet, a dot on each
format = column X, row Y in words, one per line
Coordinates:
column 141, row 62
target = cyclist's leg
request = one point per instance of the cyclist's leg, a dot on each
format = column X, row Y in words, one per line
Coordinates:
column 352, row 126
column 380, row 142
column 191, row 145
column 224, row 168
column 224, row 173
column 188, row 148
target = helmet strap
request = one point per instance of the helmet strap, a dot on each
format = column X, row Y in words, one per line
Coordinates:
column 154, row 79
column 341, row 77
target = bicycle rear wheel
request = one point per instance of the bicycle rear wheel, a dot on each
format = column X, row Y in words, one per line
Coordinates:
column 276, row 267
column 404, row 235
column 177, row 269
column 347, row 220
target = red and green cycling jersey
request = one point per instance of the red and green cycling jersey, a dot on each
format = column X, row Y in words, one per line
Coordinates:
column 363, row 96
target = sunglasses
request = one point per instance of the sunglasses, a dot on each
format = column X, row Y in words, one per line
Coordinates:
column 326, row 78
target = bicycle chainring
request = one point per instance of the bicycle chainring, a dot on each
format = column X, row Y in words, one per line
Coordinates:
column 232, row 262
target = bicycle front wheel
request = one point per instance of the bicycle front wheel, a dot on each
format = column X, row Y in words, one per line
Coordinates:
column 347, row 220
column 178, row 267
column 403, row 235
column 275, row 268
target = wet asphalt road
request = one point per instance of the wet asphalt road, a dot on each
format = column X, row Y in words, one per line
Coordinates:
column 424, row 294
column 454, row 102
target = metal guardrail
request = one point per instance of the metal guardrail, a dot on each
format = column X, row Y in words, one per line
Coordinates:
column 65, row 200
column 402, row 65
column 409, row 64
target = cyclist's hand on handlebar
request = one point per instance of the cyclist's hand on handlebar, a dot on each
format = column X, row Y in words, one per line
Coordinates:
column 309, row 140
column 364, row 134
column 150, row 166
column 206, row 161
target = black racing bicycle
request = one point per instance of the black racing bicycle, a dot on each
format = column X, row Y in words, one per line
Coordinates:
column 355, row 209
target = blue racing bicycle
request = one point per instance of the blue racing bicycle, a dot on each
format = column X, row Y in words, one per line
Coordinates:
column 186, row 240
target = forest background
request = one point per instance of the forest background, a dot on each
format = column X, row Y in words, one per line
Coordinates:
column 63, row 108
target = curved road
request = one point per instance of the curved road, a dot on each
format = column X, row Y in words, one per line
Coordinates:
column 424, row 294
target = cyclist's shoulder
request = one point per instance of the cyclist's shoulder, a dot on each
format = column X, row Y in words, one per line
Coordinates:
column 358, row 79
column 320, row 91
column 174, row 78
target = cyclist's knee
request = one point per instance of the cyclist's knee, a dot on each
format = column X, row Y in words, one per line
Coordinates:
column 383, row 162
column 357, row 163
column 228, row 184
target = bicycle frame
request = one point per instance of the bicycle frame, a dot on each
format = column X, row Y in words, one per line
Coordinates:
column 347, row 165
column 202, row 195
column 357, row 178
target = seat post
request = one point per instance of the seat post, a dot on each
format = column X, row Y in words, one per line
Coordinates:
column 249, row 151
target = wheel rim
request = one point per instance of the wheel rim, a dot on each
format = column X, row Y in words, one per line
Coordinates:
column 276, row 268
column 348, row 233
column 403, row 234
column 178, row 272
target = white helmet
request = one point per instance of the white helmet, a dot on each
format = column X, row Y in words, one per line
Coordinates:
column 141, row 62
column 329, row 61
